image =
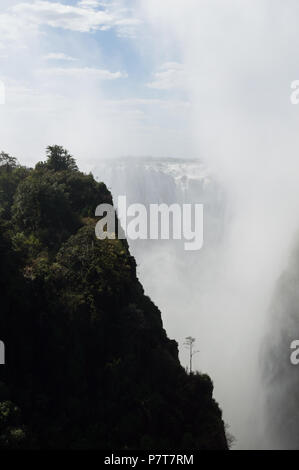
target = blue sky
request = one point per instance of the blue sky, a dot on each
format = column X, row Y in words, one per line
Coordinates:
column 91, row 69
column 146, row 77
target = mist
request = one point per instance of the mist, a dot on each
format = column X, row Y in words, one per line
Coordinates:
column 240, row 59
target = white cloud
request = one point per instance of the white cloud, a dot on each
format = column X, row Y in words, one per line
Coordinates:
column 59, row 56
column 13, row 28
column 83, row 17
column 170, row 75
column 84, row 72
column 82, row 119
column 169, row 104
column 25, row 19
column 89, row 3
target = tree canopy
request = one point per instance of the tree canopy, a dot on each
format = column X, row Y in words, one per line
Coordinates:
column 59, row 159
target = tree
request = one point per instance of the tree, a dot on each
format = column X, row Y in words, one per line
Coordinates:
column 42, row 208
column 59, row 159
column 189, row 343
column 7, row 162
column 11, row 173
column 12, row 433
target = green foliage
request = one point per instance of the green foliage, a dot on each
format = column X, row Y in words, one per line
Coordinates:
column 12, row 434
column 89, row 364
column 7, row 162
column 41, row 207
column 59, row 159
column 27, row 247
column 11, row 174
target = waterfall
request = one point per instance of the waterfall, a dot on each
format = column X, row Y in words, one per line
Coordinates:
column 195, row 290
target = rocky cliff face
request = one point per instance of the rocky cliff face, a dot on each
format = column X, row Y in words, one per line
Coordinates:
column 88, row 362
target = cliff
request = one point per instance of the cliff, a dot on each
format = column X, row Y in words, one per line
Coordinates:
column 88, row 363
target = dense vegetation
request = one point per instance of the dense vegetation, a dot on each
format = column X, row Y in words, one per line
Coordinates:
column 88, row 363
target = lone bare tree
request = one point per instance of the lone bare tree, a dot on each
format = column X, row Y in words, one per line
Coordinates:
column 189, row 343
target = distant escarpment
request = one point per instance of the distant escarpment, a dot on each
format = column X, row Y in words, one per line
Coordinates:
column 88, row 364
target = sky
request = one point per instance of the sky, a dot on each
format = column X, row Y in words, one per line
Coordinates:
column 145, row 77
column 83, row 74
